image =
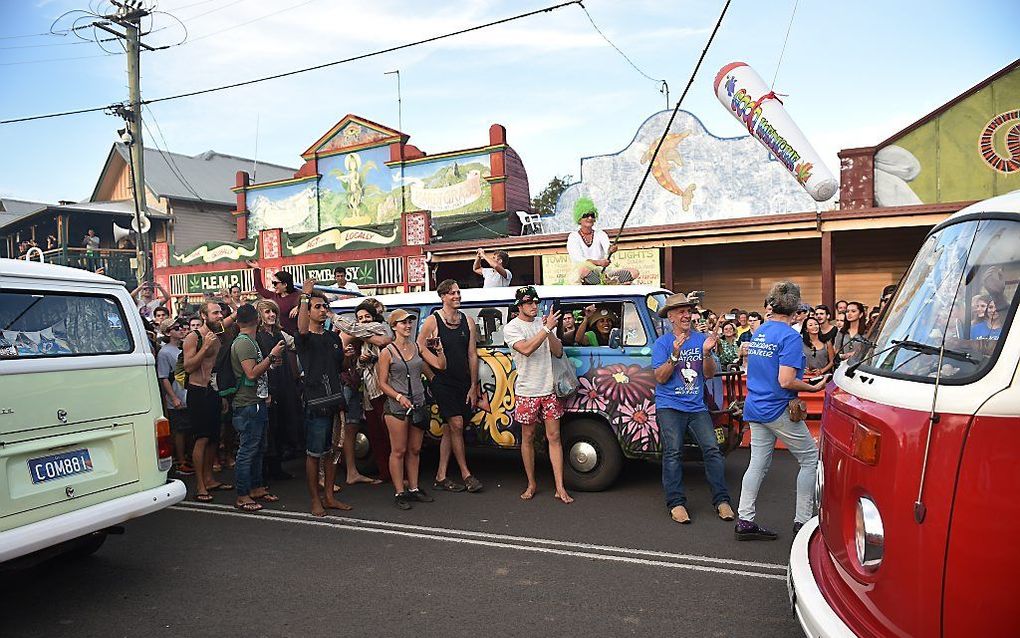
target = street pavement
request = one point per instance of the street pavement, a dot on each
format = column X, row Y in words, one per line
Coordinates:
column 610, row 564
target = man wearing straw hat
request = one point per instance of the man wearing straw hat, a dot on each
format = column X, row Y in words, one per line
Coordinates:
column 590, row 249
column 682, row 360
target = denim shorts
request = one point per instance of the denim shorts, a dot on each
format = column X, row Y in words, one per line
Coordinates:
column 318, row 434
column 355, row 413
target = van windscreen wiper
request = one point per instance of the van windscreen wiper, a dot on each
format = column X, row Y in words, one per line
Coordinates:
column 924, row 348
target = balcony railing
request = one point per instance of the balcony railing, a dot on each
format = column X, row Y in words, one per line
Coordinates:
column 116, row 263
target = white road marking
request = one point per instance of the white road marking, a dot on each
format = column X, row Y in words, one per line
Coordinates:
column 522, row 543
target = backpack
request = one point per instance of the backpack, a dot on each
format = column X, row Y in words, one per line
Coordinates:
column 180, row 374
column 226, row 380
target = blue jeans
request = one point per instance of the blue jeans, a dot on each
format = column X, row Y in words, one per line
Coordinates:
column 250, row 423
column 798, row 440
column 673, row 425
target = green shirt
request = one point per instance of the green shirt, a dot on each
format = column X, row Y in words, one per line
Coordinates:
column 250, row 392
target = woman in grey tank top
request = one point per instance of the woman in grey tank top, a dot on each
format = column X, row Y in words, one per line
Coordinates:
column 399, row 370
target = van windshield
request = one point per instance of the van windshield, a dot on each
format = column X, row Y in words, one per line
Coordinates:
column 960, row 290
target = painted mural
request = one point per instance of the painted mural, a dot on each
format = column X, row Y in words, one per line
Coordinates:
column 211, row 252
column 696, row 176
column 351, row 134
column 291, row 207
column 969, row 151
column 359, row 189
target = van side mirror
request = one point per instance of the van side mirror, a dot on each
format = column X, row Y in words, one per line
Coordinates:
column 614, row 338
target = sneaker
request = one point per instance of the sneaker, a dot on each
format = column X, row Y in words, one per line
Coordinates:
column 401, row 501
column 725, row 511
column 680, row 515
column 473, row 484
column 796, row 528
column 750, row 531
column 419, row 495
column 447, row 485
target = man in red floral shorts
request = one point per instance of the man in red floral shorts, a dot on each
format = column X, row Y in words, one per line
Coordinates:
column 534, row 344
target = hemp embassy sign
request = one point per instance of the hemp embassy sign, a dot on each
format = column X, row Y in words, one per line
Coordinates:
column 214, row 281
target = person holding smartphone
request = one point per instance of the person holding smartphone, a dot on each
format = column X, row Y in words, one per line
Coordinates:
column 400, row 368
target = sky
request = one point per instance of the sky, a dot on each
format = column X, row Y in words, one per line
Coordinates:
column 855, row 73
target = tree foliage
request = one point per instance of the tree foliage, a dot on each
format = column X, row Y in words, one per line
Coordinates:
column 545, row 203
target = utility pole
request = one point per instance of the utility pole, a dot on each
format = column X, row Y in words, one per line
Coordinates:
column 129, row 16
column 400, row 127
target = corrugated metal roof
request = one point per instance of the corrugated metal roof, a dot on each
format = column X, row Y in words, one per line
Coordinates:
column 11, row 210
column 209, row 175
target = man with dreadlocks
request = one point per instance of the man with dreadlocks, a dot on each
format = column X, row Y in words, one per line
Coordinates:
column 590, row 249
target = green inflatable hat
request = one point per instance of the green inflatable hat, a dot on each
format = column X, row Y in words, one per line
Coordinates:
column 583, row 207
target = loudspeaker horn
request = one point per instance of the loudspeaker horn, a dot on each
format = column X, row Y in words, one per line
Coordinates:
column 146, row 224
column 119, row 233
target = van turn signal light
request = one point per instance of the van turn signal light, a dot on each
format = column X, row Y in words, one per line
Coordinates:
column 866, row 444
column 164, row 444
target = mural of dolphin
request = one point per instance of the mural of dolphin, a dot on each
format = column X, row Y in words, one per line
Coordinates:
column 668, row 159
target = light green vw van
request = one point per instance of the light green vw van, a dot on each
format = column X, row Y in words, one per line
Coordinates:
column 84, row 445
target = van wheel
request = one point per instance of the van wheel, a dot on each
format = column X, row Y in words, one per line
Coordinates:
column 86, row 546
column 592, row 454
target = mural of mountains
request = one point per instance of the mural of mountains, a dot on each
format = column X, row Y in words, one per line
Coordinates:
column 695, row 177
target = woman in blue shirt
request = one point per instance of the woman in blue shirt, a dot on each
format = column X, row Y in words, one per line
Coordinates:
column 775, row 365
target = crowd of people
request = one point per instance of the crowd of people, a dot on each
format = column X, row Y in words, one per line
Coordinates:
column 252, row 384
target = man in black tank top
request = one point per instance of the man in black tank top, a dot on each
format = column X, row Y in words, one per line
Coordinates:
column 455, row 389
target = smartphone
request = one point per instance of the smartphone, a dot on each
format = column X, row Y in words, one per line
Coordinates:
column 432, row 342
column 813, row 380
column 729, row 316
column 547, row 307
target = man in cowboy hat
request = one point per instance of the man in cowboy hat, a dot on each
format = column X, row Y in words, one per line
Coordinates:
column 682, row 360
column 590, row 249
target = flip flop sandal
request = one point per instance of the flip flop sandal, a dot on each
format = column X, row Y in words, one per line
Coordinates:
column 248, row 507
column 222, row 487
column 267, row 497
column 204, row 498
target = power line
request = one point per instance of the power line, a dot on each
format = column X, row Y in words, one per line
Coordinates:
column 783, row 51
column 242, row 24
column 618, row 50
column 168, row 155
column 305, row 69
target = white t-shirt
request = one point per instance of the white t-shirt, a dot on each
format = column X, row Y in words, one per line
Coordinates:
column 146, row 308
column 535, row 373
column 350, row 285
column 579, row 251
column 492, row 279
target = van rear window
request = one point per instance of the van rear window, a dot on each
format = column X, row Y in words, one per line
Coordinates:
column 38, row 325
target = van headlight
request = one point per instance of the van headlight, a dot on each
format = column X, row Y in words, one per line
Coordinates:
column 869, row 534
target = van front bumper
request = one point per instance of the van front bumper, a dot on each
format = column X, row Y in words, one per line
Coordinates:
column 52, row 531
column 816, row 617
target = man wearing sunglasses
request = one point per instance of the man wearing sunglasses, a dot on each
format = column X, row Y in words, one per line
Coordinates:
column 533, row 344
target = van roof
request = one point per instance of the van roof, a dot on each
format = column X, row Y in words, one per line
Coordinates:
column 36, row 270
column 504, row 295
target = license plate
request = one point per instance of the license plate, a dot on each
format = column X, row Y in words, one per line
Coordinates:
column 57, row 466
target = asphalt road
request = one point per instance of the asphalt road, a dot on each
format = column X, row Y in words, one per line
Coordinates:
column 610, row 564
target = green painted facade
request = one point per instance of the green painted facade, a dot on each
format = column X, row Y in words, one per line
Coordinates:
column 948, row 147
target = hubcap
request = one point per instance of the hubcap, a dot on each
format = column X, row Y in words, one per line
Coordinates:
column 361, row 446
column 583, row 456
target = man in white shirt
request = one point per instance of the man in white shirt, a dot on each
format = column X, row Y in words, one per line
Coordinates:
column 533, row 343
column 497, row 275
column 590, row 250
column 340, row 275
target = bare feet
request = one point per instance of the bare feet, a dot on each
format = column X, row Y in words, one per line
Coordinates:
column 529, row 493
column 317, row 509
column 561, row 495
column 336, row 488
column 334, row 504
column 361, row 478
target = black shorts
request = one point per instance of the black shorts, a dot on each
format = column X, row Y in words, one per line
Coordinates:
column 452, row 401
column 180, row 423
column 204, row 412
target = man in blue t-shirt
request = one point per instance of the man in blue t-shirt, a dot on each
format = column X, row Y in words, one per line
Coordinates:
column 775, row 365
column 682, row 360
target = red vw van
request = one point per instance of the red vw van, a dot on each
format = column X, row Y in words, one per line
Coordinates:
column 919, row 477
